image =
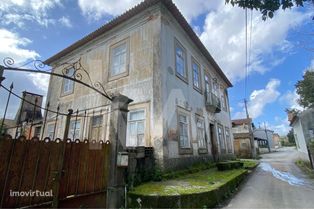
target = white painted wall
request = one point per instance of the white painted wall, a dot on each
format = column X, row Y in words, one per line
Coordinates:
column 299, row 136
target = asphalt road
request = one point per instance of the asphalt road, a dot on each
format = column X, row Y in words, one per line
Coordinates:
column 276, row 183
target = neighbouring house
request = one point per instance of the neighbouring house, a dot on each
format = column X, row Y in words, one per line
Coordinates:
column 7, row 124
column 303, row 129
column 243, row 137
column 276, row 140
column 152, row 55
column 28, row 119
column 264, row 138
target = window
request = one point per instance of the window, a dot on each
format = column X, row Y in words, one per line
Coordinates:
column 50, row 131
column 136, row 128
column 228, row 139
column 74, row 132
column 207, row 84
column 180, row 61
column 37, row 131
column 223, row 104
column 221, row 139
column 118, row 59
column 68, row 85
column 96, row 127
column 196, row 74
column 225, row 100
column 184, row 131
column 215, row 87
column 200, row 133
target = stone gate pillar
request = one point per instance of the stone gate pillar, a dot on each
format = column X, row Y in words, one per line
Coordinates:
column 117, row 137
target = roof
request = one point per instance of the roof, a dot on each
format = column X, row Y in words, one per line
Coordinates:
column 131, row 13
column 241, row 121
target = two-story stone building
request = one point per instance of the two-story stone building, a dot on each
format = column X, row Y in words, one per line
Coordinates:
column 152, row 55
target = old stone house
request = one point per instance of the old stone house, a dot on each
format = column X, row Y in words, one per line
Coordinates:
column 152, row 55
column 243, row 137
column 28, row 119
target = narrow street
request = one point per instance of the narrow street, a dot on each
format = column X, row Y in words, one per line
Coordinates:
column 276, row 183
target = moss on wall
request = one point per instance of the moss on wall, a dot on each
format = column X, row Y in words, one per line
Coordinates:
column 206, row 188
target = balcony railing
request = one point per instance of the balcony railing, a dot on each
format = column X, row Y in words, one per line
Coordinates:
column 212, row 102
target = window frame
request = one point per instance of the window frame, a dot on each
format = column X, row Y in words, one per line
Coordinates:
column 99, row 128
column 145, row 126
column 64, row 80
column 36, row 128
column 70, row 136
column 194, row 61
column 189, row 148
column 228, row 140
column 222, row 139
column 48, row 132
column 184, row 78
column 210, row 87
column 201, row 149
column 127, row 64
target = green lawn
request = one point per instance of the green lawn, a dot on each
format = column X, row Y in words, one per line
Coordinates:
column 305, row 166
column 202, row 181
column 249, row 164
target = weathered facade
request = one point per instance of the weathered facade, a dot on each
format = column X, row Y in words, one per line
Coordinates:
column 151, row 55
column 28, row 119
column 303, row 129
column 242, row 134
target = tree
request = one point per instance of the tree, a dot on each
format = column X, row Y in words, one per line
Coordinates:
column 305, row 88
column 290, row 136
column 268, row 7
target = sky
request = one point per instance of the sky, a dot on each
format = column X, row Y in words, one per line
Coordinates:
column 278, row 48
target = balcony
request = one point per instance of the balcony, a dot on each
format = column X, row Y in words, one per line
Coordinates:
column 212, row 103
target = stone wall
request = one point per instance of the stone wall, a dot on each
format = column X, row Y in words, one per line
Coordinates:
column 141, row 165
column 184, row 162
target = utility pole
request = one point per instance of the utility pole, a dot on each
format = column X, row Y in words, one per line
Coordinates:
column 267, row 137
column 253, row 150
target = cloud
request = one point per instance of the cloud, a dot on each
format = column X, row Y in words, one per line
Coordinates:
column 41, row 81
column 224, row 31
column 12, row 45
column 281, row 126
column 290, row 98
column 224, row 36
column 66, row 22
column 260, row 98
column 17, row 12
column 98, row 8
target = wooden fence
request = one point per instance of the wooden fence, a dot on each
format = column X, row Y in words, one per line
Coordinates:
column 31, row 165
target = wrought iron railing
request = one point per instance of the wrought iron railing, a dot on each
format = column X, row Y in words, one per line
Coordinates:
column 212, row 102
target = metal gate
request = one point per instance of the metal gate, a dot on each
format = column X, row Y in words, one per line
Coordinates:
column 30, row 175
column 42, row 171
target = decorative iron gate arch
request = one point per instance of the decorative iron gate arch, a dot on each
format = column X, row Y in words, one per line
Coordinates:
column 119, row 104
column 39, row 67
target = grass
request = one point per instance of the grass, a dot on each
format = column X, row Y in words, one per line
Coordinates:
column 249, row 164
column 305, row 166
column 202, row 181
